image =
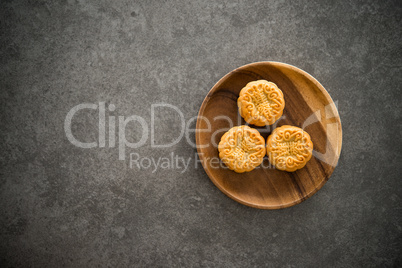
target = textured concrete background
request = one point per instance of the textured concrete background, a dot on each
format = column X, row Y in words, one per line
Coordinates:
column 66, row 206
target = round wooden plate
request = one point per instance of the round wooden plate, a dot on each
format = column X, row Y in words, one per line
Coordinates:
column 307, row 105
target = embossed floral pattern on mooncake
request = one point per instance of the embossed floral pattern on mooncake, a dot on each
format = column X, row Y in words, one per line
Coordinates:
column 242, row 149
column 289, row 148
column 261, row 103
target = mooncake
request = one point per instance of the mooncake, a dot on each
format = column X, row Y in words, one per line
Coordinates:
column 289, row 148
column 242, row 149
column 261, row 103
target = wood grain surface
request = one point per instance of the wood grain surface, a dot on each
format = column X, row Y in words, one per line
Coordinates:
column 307, row 105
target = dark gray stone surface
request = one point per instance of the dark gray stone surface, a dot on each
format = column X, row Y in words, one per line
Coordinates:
column 61, row 205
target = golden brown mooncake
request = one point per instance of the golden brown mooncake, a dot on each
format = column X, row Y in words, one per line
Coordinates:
column 261, row 103
column 242, row 149
column 289, row 148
